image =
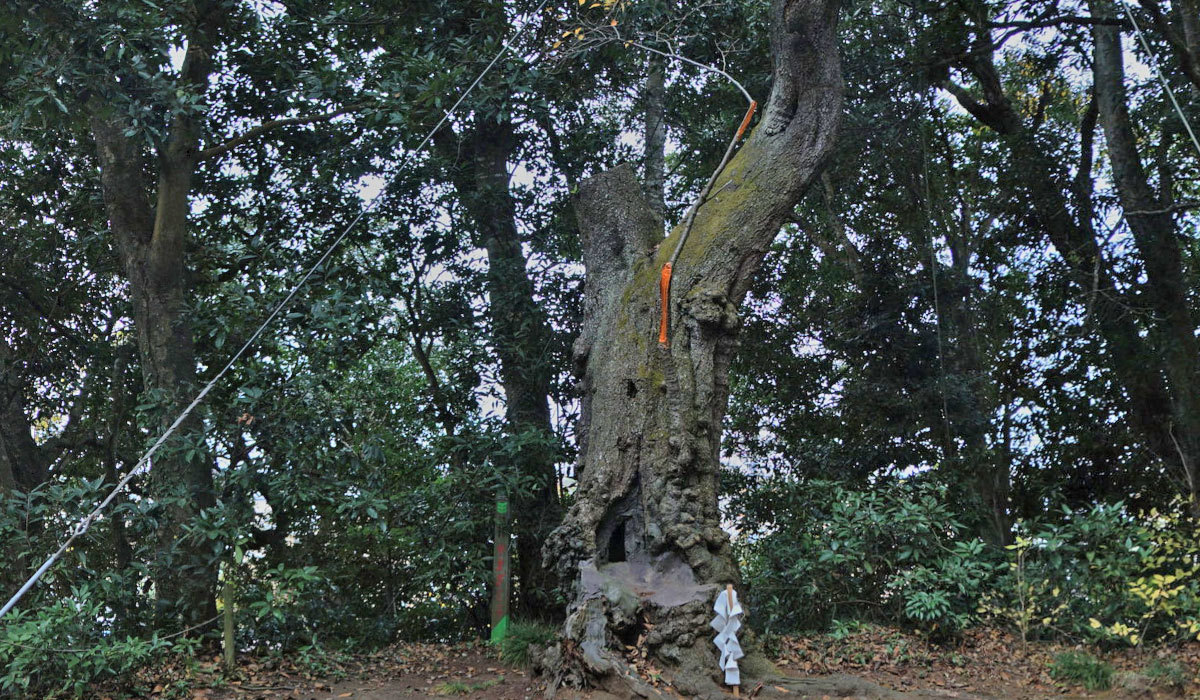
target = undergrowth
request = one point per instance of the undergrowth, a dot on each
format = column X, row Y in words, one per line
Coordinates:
column 514, row 649
column 1079, row 668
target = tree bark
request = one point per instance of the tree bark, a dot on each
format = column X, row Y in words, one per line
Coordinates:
column 1154, row 234
column 521, row 336
column 656, row 134
column 642, row 541
column 151, row 243
column 22, row 465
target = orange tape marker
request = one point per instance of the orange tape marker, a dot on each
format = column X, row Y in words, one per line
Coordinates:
column 664, row 289
column 746, row 120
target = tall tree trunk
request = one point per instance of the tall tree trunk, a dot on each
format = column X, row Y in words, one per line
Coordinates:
column 642, row 541
column 23, row 466
column 976, row 400
column 521, row 336
column 151, row 243
column 1154, row 234
column 1137, row 367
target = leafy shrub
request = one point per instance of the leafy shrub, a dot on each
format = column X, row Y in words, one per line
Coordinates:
column 815, row 551
column 822, row 552
column 514, row 648
column 60, row 649
column 279, row 605
column 1079, row 668
column 1102, row 574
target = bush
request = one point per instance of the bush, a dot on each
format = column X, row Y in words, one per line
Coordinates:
column 1083, row 669
column 1102, row 574
column 60, row 649
column 514, row 648
column 894, row 554
column 815, row 551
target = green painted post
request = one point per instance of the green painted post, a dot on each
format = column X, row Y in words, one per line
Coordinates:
column 502, row 585
column 228, row 637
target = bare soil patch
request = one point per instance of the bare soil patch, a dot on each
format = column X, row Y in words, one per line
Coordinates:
column 871, row 663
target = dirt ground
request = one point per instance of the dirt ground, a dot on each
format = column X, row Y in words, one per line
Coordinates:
column 984, row 664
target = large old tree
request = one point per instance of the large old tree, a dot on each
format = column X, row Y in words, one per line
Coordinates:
column 643, row 541
column 1148, row 327
column 156, row 134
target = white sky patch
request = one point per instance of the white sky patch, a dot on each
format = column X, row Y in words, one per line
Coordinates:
column 177, row 54
column 369, row 186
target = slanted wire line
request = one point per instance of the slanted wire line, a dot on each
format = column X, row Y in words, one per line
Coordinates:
column 1137, row 28
column 930, row 222
column 665, row 286
column 91, row 517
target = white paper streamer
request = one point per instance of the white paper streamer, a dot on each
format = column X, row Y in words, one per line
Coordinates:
column 727, row 623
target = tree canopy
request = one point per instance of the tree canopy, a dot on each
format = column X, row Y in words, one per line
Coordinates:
column 975, row 316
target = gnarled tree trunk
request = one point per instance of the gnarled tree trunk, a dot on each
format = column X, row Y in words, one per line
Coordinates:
column 643, row 539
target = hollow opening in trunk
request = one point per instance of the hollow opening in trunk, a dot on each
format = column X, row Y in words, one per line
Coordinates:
column 620, row 536
column 616, row 543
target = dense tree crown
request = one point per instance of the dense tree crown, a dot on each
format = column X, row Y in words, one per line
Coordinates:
column 949, row 276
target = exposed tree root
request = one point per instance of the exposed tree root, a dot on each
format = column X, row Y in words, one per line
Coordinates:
column 640, row 630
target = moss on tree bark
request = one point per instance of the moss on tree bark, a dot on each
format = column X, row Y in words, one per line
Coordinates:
column 643, row 540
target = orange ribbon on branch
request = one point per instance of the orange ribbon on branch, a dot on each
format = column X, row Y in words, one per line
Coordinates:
column 746, row 120
column 664, row 289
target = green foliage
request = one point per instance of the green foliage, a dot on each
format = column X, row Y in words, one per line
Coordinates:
column 831, row 553
column 1170, row 673
column 831, row 556
column 514, row 648
column 1103, row 573
column 58, row 650
column 918, row 338
column 320, row 662
column 1079, row 668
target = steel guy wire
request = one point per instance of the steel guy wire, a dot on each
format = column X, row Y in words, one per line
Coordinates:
column 84, row 524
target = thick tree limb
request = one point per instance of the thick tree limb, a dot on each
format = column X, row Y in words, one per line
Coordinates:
column 1059, row 21
column 257, row 131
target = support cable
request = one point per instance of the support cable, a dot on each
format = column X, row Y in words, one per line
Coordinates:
column 1137, row 28
column 82, row 527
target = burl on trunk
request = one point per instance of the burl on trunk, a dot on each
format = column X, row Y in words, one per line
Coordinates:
column 642, row 541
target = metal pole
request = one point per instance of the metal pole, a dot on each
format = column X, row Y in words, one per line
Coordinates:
column 502, row 585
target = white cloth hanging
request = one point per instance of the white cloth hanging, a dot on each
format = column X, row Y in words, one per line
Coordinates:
column 727, row 623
